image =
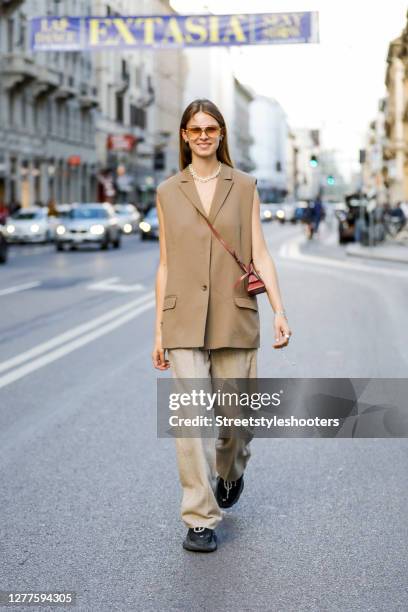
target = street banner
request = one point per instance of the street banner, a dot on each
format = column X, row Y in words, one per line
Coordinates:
column 171, row 31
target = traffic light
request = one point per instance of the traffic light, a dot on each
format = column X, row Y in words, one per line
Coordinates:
column 314, row 162
column 331, row 180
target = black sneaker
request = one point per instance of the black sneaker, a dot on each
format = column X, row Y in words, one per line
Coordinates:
column 228, row 492
column 200, row 539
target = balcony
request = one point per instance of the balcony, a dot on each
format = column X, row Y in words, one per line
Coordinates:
column 88, row 97
column 122, row 84
column 46, row 83
column 17, row 70
column 65, row 90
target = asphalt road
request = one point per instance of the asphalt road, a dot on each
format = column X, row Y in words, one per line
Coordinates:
column 89, row 495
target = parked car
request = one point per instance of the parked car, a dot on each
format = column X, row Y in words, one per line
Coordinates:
column 149, row 226
column 128, row 217
column 91, row 223
column 268, row 211
column 3, row 245
column 347, row 214
column 30, row 225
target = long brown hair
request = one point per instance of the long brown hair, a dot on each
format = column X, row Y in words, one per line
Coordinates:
column 205, row 106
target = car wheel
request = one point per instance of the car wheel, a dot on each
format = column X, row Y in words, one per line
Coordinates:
column 117, row 243
column 59, row 246
column 105, row 244
column 3, row 252
column 142, row 236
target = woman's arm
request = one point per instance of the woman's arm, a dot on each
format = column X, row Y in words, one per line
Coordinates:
column 265, row 266
column 159, row 361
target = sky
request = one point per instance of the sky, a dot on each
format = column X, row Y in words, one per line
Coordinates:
column 333, row 86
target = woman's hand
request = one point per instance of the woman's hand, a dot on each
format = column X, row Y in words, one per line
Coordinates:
column 281, row 331
column 159, row 362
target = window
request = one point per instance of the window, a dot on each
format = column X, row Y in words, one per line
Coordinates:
column 35, row 114
column 23, row 108
column 138, row 76
column 12, row 102
column 23, row 32
column 137, row 116
column 67, row 121
column 124, row 70
column 49, row 116
column 119, row 108
column 10, row 35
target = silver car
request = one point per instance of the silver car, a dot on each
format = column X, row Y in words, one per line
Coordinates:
column 29, row 225
column 89, row 224
column 128, row 217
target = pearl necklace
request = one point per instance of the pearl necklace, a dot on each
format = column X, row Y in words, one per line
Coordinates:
column 204, row 179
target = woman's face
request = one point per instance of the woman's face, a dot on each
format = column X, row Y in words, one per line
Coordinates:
column 203, row 143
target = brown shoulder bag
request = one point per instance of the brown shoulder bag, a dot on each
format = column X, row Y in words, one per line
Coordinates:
column 255, row 283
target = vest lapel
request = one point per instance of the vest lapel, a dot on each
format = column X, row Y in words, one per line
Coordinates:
column 224, row 183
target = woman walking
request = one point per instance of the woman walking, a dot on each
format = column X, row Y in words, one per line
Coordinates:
column 207, row 322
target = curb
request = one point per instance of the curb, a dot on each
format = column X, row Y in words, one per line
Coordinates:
column 374, row 253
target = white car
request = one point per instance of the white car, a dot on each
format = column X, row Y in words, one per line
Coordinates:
column 286, row 212
column 29, row 225
column 268, row 211
column 128, row 217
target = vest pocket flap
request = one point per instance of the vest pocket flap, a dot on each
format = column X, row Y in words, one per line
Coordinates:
column 244, row 302
column 169, row 302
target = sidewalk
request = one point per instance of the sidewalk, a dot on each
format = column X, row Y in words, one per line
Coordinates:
column 390, row 250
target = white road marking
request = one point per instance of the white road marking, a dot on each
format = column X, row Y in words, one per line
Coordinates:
column 290, row 250
column 73, row 333
column 111, row 284
column 18, row 288
column 44, row 360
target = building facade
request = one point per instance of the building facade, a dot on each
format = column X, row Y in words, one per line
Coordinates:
column 308, row 176
column 47, row 113
column 396, row 120
column 269, row 150
column 372, row 160
column 141, row 96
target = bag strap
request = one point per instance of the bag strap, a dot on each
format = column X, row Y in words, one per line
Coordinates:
column 247, row 269
column 226, row 247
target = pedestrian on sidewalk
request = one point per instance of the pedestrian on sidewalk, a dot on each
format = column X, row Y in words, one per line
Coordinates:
column 317, row 213
column 207, row 323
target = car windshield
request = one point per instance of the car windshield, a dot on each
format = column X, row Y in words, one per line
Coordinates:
column 124, row 210
column 88, row 213
column 27, row 215
column 63, row 213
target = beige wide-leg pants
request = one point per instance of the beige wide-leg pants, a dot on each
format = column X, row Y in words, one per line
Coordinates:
column 201, row 459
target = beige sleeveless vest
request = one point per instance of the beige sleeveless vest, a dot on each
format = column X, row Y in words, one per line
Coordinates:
column 201, row 307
